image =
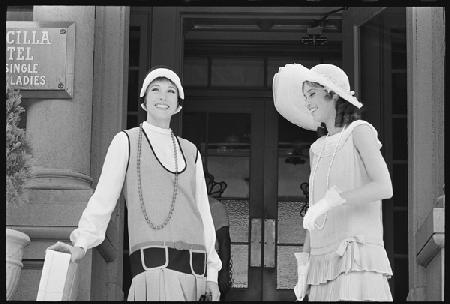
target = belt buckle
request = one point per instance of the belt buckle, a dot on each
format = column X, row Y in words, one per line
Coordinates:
column 166, row 251
column 204, row 261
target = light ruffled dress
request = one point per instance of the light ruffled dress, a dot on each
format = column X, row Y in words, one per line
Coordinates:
column 348, row 259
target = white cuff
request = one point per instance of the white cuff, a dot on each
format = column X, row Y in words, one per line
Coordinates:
column 212, row 274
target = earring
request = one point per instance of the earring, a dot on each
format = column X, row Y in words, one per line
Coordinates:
column 144, row 107
column 178, row 109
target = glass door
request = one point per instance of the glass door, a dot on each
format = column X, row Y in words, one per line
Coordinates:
column 263, row 160
column 229, row 137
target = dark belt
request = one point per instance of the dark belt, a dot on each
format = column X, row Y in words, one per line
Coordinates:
column 168, row 257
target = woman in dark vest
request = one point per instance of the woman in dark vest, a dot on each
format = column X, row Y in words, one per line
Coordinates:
column 171, row 231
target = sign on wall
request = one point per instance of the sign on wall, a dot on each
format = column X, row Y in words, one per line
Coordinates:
column 40, row 58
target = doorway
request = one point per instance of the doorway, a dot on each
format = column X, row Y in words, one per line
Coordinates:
column 262, row 158
column 241, row 146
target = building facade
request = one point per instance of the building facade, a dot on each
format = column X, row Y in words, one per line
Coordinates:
column 226, row 57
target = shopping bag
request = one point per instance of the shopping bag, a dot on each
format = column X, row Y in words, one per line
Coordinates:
column 301, row 288
column 59, row 277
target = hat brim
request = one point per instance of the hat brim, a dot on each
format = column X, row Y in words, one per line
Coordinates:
column 288, row 96
column 162, row 72
column 289, row 99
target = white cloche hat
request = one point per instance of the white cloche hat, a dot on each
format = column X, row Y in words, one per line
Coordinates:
column 162, row 72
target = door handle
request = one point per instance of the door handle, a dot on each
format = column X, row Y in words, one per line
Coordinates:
column 255, row 242
column 269, row 243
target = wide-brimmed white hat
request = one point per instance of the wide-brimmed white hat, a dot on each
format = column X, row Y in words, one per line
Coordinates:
column 288, row 96
column 162, row 72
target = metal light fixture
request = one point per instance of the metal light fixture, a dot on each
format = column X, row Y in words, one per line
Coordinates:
column 314, row 36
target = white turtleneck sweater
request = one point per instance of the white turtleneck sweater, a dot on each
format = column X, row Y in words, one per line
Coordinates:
column 94, row 220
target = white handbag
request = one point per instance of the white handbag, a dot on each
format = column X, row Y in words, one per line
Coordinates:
column 59, row 279
column 301, row 288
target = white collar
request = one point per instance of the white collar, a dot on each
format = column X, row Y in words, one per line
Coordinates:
column 152, row 128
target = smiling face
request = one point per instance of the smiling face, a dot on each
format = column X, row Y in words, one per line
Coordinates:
column 161, row 100
column 319, row 102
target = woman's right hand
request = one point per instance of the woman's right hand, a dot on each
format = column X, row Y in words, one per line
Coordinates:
column 77, row 253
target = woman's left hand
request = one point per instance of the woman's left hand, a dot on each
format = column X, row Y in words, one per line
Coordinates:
column 331, row 199
column 212, row 288
column 313, row 213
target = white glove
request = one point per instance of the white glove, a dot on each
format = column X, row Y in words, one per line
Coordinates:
column 330, row 200
column 300, row 289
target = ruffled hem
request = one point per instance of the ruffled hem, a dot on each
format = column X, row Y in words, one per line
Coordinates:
column 350, row 256
column 353, row 286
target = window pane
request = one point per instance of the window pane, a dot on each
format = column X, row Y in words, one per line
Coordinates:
column 195, row 72
column 238, row 214
column 287, row 266
column 135, row 33
column 229, row 128
column 401, row 231
column 290, row 223
column 237, row 72
column 132, row 121
column 194, row 128
column 401, row 282
column 399, row 95
column 234, row 171
column 400, row 185
column 239, row 269
column 400, row 138
column 133, row 87
column 398, row 38
column 293, row 158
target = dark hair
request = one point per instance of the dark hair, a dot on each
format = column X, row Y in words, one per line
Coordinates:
column 346, row 112
column 179, row 100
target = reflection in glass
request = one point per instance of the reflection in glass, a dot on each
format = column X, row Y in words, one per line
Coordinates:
column 290, row 223
column 400, row 134
column 238, row 214
column 239, row 257
column 234, row 171
column 287, row 266
column 237, row 72
column 291, row 176
column 195, row 72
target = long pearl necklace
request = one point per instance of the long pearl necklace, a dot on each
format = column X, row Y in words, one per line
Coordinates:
column 328, row 173
column 175, row 184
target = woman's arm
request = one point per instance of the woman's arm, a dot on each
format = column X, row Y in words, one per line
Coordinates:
column 380, row 185
column 213, row 263
column 224, row 241
column 95, row 218
column 306, row 244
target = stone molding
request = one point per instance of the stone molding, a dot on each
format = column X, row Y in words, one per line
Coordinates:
column 58, row 179
column 430, row 237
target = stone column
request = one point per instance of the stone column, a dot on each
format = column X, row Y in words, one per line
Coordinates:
column 109, row 118
column 425, row 55
column 59, row 131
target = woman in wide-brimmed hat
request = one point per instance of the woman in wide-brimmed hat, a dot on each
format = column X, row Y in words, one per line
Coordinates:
column 171, row 231
column 343, row 256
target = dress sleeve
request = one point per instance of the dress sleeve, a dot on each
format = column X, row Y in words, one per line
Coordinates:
column 213, row 263
column 357, row 123
column 95, row 217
